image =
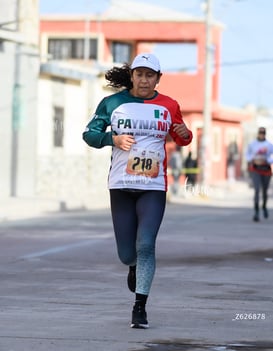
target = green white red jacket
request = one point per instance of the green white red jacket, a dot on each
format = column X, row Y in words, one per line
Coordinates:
column 149, row 121
column 262, row 151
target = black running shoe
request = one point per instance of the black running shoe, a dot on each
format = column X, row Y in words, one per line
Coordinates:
column 265, row 212
column 256, row 218
column 139, row 318
column 131, row 278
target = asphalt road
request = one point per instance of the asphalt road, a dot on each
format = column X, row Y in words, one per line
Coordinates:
column 62, row 287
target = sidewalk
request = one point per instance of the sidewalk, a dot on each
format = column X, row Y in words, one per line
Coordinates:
column 14, row 208
column 227, row 194
column 223, row 194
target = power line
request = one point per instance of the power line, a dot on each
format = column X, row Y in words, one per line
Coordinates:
column 246, row 62
column 231, row 63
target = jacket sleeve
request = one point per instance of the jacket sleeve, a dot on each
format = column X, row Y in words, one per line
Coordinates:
column 249, row 154
column 95, row 133
column 270, row 156
column 177, row 118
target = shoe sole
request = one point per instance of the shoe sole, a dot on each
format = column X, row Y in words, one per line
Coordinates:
column 139, row 326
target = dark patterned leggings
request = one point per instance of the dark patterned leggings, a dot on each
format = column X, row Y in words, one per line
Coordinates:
column 260, row 181
column 137, row 217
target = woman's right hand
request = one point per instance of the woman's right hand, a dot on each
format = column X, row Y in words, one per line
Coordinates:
column 123, row 141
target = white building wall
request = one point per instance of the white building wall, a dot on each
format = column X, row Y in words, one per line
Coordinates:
column 27, row 126
column 7, row 54
column 19, row 64
column 75, row 174
column 75, row 116
column 44, row 135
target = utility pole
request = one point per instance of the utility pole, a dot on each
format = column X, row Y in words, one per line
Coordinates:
column 16, row 111
column 16, row 120
column 206, row 134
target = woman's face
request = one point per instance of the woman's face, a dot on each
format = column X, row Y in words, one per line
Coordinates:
column 261, row 134
column 144, row 81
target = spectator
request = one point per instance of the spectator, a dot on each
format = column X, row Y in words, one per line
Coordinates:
column 260, row 157
column 190, row 169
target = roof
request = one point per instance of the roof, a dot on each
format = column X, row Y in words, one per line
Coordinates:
column 129, row 10
column 70, row 71
column 132, row 11
column 231, row 114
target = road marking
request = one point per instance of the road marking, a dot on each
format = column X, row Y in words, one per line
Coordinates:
column 63, row 248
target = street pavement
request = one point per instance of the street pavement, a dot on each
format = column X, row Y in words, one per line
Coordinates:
column 64, row 289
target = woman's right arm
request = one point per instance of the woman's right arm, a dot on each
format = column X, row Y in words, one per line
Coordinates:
column 95, row 133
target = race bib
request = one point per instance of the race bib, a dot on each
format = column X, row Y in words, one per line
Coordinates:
column 143, row 162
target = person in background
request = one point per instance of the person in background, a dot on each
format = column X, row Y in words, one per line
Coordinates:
column 259, row 156
column 176, row 168
column 140, row 118
column 190, row 169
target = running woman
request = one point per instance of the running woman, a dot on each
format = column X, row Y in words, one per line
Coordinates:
column 140, row 119
column 260, row 156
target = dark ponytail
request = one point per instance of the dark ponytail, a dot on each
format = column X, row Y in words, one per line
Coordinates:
column 119, row 77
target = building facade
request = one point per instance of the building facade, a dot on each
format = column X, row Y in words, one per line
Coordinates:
column 19, row 70
column 76, row 52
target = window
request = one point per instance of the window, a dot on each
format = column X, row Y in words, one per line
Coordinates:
column 121, row 52
column 178, row 57
column 64, row 49
column 58, row 126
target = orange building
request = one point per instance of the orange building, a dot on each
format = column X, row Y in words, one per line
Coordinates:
column 118, row 34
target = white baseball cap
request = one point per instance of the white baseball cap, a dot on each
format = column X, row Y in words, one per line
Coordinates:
column 146, row 60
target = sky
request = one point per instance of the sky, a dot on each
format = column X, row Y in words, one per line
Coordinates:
column 246, row 48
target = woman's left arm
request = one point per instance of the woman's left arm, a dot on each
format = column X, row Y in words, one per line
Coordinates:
column 270, row 155
column 179, row 131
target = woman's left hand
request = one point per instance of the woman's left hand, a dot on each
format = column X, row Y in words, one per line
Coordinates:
column 181, row 130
